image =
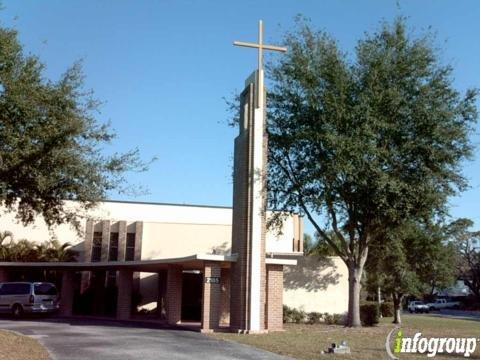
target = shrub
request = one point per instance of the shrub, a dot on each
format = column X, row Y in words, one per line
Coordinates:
column 291, row 315
column 286, row 314
column 386, row 309
column 298, row 316
column 369, row 313
column 314, row 317
column 334, row 319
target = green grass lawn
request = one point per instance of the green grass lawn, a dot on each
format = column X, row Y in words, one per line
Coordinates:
column 308, row 341
column 18, row 347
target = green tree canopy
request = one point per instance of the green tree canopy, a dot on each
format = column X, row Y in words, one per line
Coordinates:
column 51, row 145
column 358, row 143
column 412, row 259
column 318, row 246
column 466, row 254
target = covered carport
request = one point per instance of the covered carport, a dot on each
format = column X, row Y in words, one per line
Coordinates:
column 209, row 266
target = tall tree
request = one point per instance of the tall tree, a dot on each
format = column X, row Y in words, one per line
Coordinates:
column 430, row 255
column 359, row 143
column 411, row 259
column 467, row 255
column 50, row 141
column 396, row 276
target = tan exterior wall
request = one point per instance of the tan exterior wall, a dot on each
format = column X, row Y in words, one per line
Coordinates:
column 168, row 230
column 317, row 285
column 166, row 240
column 38, row 231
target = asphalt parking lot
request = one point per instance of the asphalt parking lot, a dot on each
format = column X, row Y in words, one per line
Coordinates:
column 110, row 340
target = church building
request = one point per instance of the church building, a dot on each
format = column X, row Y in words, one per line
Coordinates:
column 216, row 266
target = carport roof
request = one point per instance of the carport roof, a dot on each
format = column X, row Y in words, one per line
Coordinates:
column 192, row 262
column 188, row 262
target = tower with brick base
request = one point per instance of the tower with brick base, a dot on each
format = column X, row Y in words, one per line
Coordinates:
column 253, row 305
column 248, row 274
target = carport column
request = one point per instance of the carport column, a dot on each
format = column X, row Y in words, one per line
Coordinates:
column 274, row 308
column 3, row 275
column 174, row 294
column 124, row 299
column 67, row 293
column 162, row 294
column 211, row 297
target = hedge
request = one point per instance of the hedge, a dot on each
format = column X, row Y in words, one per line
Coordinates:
column 369, row 313
column 291, row 315
column 387, row 309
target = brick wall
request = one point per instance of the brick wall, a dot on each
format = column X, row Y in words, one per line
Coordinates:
column 174, row 294
column 240, row 226
column 122, row 239
column 3, row 275
column 225, row 297
column 244, row 176
column 87, row 254
column 162, row 294
column 67, row 293
column 274, row 303
column 105, row 239
column 211, row 297
column 124, row 300
column 138, row 253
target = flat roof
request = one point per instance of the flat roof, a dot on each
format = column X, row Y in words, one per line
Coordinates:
column 176, row 204
column 166, row 204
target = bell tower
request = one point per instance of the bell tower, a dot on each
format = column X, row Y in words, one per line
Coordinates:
column 248, row 274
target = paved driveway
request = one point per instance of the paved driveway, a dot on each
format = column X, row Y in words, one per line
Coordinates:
column 110, row 340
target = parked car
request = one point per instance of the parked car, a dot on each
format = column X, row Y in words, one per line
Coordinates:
column 418, row 307
column 443, row 304
column 28, row 297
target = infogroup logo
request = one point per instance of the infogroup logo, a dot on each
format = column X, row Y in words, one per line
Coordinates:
column 429, row 346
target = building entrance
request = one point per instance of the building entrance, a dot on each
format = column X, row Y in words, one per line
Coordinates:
column 192, row 286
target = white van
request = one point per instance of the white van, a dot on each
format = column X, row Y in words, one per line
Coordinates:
column 28, row 297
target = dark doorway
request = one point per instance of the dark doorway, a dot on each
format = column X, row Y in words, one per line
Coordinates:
column 192, row 287
column 99, row 298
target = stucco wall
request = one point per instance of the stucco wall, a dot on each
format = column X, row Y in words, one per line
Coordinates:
column 169, row 230
column 39, row 231
column 317, row 284
column 165, row 240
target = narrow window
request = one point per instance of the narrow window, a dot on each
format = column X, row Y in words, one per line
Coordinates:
column 113, row 250
column 130, row 247
column 97, row 246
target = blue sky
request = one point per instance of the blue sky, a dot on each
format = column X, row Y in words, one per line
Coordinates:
column 162, row 69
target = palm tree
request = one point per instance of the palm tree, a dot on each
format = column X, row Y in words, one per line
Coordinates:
column 53, row 250
column 4, row 235
column 4, row 248
column 23, row 250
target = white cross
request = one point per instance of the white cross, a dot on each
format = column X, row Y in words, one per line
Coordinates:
column 260, row 46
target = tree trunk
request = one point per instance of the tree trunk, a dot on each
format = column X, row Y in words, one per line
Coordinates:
column 354, row 287
column 397, row 303
column 379, row 299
